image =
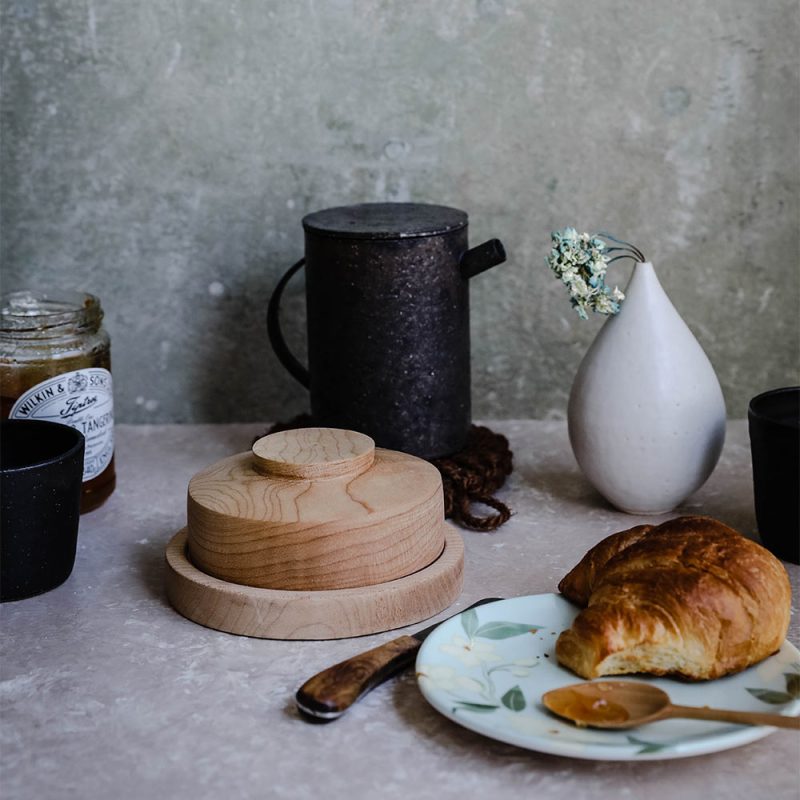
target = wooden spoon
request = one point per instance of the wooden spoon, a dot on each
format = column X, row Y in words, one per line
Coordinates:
column 623, row 704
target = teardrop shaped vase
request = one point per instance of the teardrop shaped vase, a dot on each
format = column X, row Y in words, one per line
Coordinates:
column 646, row 412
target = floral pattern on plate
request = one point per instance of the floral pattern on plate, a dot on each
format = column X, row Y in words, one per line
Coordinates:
column 487, row 669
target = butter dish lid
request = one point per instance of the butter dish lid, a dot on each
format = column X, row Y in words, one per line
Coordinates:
column 315, row 508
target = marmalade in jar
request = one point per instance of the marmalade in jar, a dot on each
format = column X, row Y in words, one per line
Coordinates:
column 55, row 364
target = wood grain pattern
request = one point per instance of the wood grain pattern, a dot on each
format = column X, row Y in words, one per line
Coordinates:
column 736, row 717
column 331, row 614
column 364, row 524
column 314, row 453
column 331, row 692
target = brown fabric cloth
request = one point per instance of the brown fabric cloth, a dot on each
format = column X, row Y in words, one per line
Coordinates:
column 469, row 477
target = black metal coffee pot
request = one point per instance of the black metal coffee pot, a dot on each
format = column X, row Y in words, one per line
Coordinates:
column 387, row 298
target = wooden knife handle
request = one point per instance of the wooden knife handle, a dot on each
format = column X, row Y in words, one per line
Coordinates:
column 331, row 692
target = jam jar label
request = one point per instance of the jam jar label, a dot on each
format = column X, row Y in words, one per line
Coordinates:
column 82, row 399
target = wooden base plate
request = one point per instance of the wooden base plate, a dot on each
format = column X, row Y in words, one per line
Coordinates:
column 322, row 614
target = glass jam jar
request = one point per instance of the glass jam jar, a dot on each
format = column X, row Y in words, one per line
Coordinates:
column 55, row 364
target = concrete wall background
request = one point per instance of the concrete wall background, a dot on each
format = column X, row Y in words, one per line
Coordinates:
column 162, row 155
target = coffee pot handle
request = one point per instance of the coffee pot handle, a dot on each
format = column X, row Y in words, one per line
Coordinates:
column 483, row 257
column 279, row 346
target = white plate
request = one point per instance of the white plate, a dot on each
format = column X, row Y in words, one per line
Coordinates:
column 487, row 669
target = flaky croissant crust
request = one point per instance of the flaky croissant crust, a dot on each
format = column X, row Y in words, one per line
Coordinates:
column 691, row 598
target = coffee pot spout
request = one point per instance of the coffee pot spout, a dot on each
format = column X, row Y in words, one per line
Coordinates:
column 483, row 257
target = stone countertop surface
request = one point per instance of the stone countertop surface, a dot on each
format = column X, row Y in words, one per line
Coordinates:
column 108, row 693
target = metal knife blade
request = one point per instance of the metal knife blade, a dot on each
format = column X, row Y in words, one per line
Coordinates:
column 328, row 694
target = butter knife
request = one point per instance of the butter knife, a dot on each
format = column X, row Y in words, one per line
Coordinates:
column 330, row 693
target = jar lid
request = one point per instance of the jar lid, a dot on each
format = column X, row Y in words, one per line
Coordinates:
column 315, row 508
column 385, row 221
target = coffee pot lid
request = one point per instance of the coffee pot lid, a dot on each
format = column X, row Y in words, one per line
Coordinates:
column 385, row 221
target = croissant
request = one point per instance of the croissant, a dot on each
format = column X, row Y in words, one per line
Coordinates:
column 690, row 598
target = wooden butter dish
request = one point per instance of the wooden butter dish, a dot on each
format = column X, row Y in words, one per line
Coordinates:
column 326, row 614
column 314, row 534
column 315, row 508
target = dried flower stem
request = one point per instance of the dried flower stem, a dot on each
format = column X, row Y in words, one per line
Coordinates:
column 580, row 261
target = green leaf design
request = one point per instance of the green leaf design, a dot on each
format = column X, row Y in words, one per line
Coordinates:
column 478, row 708
column 504, row 630
column 513, row 699
column 792, row 684
column 646, row 747
column 771, row 696
column 469, row 621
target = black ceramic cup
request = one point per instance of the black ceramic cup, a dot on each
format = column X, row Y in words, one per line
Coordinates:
column 774, row 419
column 41, row 471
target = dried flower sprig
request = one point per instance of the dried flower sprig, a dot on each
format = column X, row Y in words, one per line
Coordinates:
column 580, row 261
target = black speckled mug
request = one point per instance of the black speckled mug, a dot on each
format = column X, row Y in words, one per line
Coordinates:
column 41, row 471
column 774, row 419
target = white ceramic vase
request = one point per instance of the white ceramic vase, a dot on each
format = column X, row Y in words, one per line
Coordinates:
column 646, row 412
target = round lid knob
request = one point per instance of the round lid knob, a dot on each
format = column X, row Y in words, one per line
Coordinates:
column 314, row 453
